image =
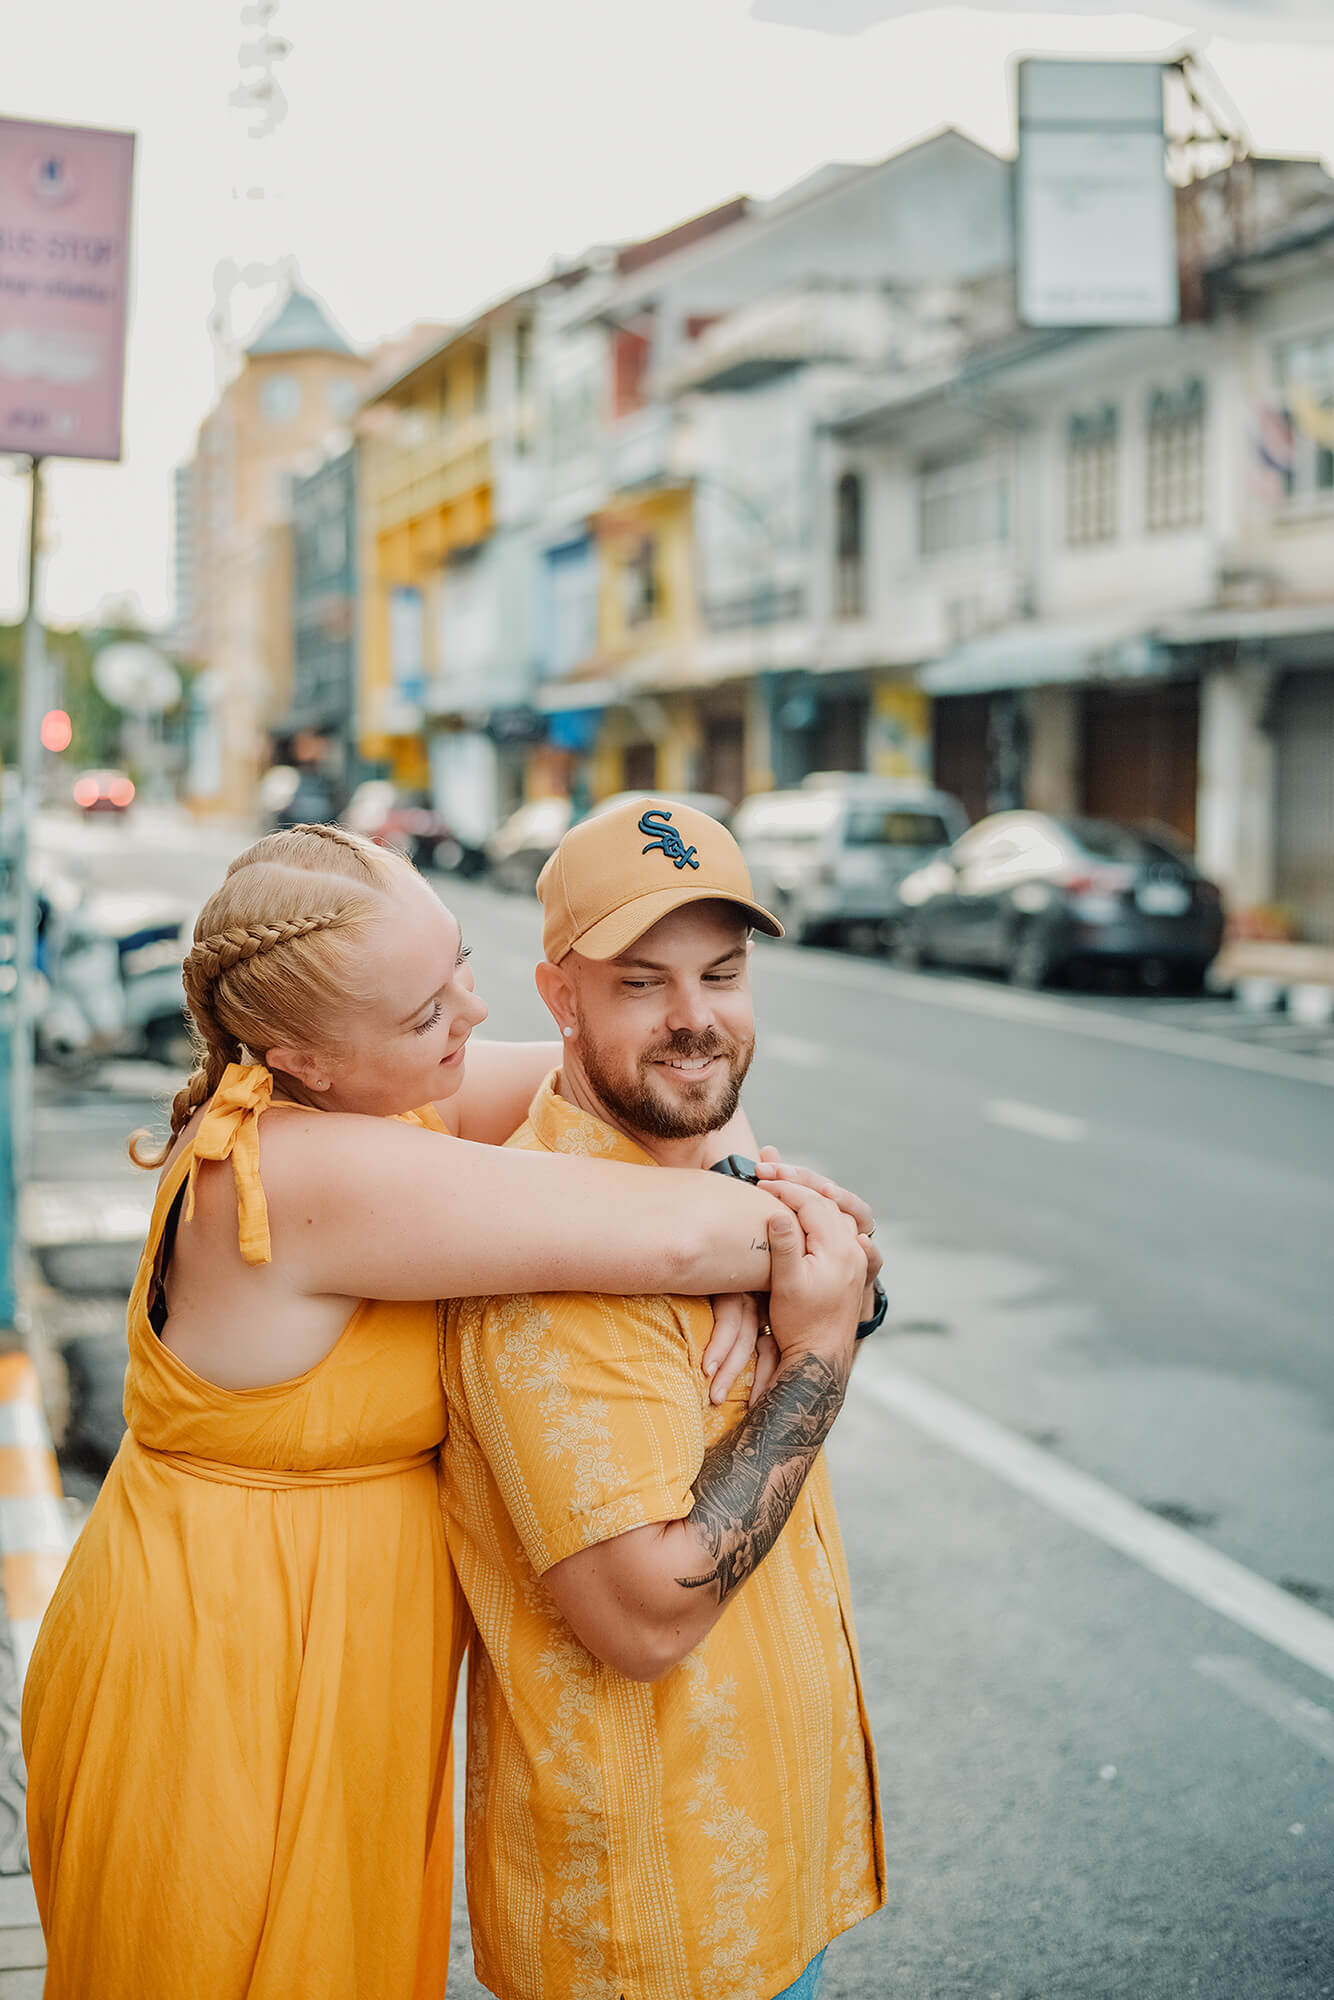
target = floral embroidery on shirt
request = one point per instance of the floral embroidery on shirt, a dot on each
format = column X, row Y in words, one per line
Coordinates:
column 578, row 1913
column 578, row 1428
column 739, row 1849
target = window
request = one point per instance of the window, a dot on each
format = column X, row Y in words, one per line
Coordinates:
column 280, row 399
column 523, row 356
column 849, row 595
column 1306, row 378
column 342, row 398
column 642, row 598
column 630, row 355
column 878, row 826
column 963, row 502
column 479, row 380
column 1091, row 469
column 1174, row 459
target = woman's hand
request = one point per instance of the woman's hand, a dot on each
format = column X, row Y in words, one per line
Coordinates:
column 737, row 1322
column 774, row 1172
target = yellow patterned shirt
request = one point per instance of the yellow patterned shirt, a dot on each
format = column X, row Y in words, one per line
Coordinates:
column 702, row 1836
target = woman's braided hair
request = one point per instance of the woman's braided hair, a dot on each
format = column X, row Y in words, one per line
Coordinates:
column 256, row 977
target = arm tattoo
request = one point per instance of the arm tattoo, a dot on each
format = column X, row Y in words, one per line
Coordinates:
column 750, row 1479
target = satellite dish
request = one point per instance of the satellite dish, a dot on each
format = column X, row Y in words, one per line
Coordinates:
column 137, row 677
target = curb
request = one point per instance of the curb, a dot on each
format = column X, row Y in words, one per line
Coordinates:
column 1309, row 1001
column 34, row 1534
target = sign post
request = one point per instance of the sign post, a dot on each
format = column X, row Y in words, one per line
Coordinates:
column 65, row 196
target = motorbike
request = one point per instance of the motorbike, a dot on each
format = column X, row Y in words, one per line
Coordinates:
column 109, row 967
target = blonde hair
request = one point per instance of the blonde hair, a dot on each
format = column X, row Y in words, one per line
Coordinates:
column 275, row 952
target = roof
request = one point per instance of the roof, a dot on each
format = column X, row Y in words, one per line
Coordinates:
column 300, row 326
column 421, row 363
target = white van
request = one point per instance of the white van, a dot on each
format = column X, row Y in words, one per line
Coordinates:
column 828, row 860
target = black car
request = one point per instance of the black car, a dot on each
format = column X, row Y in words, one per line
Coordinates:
column 1035, row 894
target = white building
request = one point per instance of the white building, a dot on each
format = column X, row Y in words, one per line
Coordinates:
column 1110, row 558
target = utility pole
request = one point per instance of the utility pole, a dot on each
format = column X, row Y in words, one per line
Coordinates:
column 30, row 774
column 16, row 1054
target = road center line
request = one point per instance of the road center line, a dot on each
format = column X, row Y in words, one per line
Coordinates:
column 1180, row 1559
column 1032, row 1118
column 1311, row 1723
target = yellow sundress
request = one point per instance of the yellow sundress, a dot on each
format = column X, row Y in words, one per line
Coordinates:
column 236, row 1720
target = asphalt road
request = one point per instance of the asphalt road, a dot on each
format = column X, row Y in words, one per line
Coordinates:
column 1085, row 1475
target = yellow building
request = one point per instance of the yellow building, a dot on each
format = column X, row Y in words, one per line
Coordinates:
column 648, row 625
column 299, row 381
column 435, row 439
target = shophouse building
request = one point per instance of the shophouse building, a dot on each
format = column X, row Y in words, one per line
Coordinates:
column 448, row 488
column 1107, row 558
column 731, row 354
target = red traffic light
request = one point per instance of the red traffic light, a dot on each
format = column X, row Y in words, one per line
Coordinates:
column 57, row 730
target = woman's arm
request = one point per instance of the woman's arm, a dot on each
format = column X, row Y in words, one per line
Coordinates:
column 500, row 1081
column 371, row 1208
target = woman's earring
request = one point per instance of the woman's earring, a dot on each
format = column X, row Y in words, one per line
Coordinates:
column 567, row 1032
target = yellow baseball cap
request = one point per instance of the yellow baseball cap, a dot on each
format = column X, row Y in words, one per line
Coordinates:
column 617, row 874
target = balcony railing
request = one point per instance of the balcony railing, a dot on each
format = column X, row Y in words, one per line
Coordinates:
column 787, row 330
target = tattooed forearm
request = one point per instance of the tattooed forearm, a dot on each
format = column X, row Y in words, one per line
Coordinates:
column 750, row 1479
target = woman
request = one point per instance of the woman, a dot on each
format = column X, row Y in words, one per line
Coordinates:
column 237, row 1716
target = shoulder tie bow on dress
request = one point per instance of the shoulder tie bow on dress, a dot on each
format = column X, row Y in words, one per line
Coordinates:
column 230, row 1129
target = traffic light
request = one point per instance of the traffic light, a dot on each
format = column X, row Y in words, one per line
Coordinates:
column 57, row 730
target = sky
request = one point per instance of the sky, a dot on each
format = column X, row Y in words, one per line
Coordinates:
column 435, row 154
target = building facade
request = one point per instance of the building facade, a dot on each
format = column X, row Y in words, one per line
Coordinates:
column 319, row 726
column 299, row 381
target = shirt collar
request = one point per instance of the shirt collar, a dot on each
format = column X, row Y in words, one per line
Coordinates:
column 562, row 1127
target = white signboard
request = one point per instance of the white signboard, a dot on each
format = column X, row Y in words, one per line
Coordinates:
column 1096, row 211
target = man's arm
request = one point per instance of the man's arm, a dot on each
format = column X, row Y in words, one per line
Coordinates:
column 499, row 1083
column 643, row 1600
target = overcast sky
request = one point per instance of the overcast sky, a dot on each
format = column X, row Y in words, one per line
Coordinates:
column 436, row 153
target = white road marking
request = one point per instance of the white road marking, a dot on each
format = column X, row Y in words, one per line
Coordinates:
column 795, row 1049
column 973, row 997
column 1178, row 1558
column 1309, row 1721
column 1032, row 1118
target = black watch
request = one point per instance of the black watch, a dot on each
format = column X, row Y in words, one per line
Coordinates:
column 877, row 1319
column 738, row 1168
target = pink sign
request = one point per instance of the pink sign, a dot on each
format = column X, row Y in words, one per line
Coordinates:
column 64, row 281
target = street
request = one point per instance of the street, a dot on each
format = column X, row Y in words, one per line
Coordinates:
column 1107, row 1755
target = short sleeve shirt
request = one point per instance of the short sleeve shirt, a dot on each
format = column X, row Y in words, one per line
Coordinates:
column 705, row 1834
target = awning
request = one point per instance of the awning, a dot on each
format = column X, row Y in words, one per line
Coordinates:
column 558, row 695
column 1041, row 654
column 1273, row 621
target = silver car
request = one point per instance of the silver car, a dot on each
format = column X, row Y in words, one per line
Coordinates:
column 828, row 859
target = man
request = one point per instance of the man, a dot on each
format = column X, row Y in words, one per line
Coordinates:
column 671, row 1782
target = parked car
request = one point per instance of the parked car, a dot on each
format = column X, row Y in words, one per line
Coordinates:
column 295, row 795
column 1033, row 895
column 829, row 860
column 518, row 850
column 103, row 791
column 409, row 822
column 712, row 803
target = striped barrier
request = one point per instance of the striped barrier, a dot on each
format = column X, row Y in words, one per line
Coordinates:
column 34, row 1530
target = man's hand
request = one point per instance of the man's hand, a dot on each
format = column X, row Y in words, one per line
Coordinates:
column 773, row 1169
column 817, row 1284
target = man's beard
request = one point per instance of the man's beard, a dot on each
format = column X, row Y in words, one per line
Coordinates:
column 634, row 1102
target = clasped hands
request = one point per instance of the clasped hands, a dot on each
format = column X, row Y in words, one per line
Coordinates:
column 740, row 1319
